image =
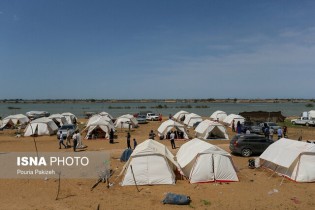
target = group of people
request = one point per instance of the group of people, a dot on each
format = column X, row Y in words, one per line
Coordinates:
column 128, row 142
column 76, row 137
column 269, row 132
column 171, row 137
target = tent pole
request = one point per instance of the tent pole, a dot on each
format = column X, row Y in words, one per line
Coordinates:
column 134, row 179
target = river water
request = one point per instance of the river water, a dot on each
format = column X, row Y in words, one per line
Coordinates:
column 204, row 109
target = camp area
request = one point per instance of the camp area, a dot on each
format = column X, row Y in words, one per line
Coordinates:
column 201, row 168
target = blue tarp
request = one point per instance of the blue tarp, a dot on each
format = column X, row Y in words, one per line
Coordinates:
column 125, row 155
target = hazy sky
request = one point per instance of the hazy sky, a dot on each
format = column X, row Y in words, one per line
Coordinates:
column 157, row 49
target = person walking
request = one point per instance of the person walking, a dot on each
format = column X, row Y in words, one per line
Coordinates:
column 172, row 137
column 75, row 140
column 128, row 141
column 61, row 140
column 134, row 143
column 111, row 136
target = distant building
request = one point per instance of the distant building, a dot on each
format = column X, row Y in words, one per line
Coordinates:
column 262, row 116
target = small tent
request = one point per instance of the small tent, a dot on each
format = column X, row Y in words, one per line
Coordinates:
column 218, row 116
column 106, row 114
column 150, row 163
column 292, row 159
column 191, row 119
column 71, row 118
column 229, row 119
column 204, row 162
column 58, row 119
column 169, row 125
column 125, row 121
column 41, row 126
column 180, row 116
column 211, row 130
column 14, row 120
column 98, row 127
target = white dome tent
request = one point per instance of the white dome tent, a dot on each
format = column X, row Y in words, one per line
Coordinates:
column 218, row 116
column 151, row 163
column 229, row 119
column 59, row 119
column 180, row 115
column 290, row 158
column 71, row 118
column 106, row 114
column 191, row 119
column 125, row 121
column 169, row 125
column 41, row 126
column 211, row 130
column 204, row 162
column 14, row 120
column 98, row 127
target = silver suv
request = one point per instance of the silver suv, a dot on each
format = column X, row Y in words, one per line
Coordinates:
column 64, row 129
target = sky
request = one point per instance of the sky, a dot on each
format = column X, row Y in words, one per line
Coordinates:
column 155, row 49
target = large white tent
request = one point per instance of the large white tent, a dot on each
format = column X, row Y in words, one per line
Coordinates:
column 150, row 163
column 41, row 126
column 211, row 130
column 71, row 118
column 100, row 125
column 180, row 115
column 204, row 162
column 292, row 159
column 229, row 119
column 58, row 119
column 13, row 120
column 125, row 121
column 191, row 119
column 218, row 115
column 169, row 125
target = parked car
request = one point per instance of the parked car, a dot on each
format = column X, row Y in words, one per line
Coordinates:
column 141, row 119
column 64, row 130
column 252, row 127
column 152, row 117
column 303, row 121
column 272, row 125
column 248, row 144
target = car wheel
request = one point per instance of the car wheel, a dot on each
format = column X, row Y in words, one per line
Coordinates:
column 246, row 152
column 307, row 124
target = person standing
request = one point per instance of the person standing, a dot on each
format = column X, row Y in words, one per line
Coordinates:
column 271, row 131
column 128, row 141
column 267, row 132
column 238, row 127
column 75, row 141
column 68, row 144
column 61, row 140
column 279, row 133
column 172, row 137
column 151, row 135
column 285, row 130
column 134, row 143
column 111, row 136
column 233, row 125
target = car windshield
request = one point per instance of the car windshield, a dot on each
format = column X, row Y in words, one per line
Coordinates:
column 66, row 127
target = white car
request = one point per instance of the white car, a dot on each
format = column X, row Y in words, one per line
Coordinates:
column 152, row 117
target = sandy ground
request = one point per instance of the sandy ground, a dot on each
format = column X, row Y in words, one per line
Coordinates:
column 251, row 192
